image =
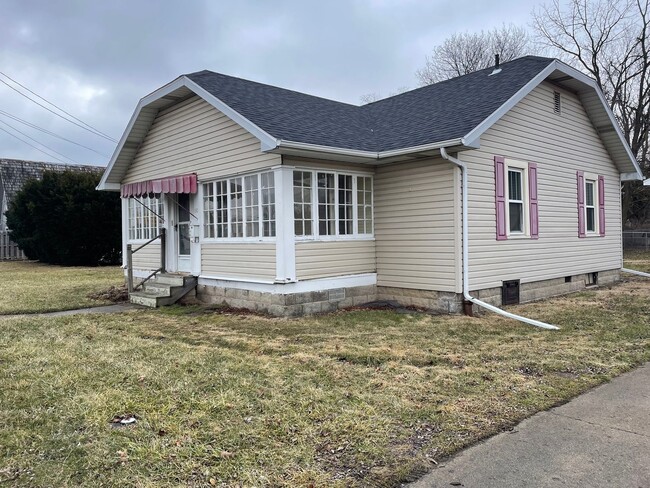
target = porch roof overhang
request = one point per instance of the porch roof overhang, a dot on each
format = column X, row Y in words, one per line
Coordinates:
column 172, row 184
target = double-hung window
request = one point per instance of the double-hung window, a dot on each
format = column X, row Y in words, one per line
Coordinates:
column 242, row 207
column 144, row 217
column 516, row 199
column 332, row 204
column 591, row 205
column 516, row 215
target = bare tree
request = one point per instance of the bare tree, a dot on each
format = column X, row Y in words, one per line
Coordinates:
column 467, row 52
column 374, row 96
column 609, row 41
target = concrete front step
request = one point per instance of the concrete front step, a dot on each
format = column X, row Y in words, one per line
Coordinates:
column 164, row 289
column 173, row 279
column 160, row 289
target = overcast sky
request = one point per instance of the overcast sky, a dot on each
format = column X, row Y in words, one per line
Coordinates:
column 96, row 59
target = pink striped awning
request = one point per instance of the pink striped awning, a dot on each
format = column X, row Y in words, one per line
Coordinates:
column 173, row 184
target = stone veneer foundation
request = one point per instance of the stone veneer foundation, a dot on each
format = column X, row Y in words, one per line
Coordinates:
column 308, row 303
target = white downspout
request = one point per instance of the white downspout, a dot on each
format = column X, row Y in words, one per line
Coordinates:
column 635, row 272
column 465, row 240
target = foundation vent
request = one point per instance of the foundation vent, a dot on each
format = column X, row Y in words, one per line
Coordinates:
column 592, row 279
column 510, row 292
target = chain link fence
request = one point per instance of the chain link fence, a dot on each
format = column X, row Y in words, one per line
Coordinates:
column 636, row 240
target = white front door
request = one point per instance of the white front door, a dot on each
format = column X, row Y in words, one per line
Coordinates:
column 182, row 237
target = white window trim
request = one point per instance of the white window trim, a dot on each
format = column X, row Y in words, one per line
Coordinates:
column 355, row 236
column 127, row 228
column 233, row 240
column 523, row 167
column 592, row 178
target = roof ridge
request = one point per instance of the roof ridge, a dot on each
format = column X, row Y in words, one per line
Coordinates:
column 473, row 73
column 207, row 71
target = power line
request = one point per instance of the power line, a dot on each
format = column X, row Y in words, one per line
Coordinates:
column 54, row 105
column 91, row 130
column 32, row 145
column 49, row 132
column 37, row 142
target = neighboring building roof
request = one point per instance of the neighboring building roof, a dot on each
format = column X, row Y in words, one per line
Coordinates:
column 452, row 114
column 439, row 112
column 15, row 172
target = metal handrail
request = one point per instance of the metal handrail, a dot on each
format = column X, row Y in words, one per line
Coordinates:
column 129, row 260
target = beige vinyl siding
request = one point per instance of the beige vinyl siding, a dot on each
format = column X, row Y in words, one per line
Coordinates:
column 417, row 225
column 560, row 145
column 247, row 260
column 194, row 137
column 147, row 258
column 324, row 259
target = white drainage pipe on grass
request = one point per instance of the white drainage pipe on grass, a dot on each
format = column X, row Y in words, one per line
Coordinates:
column 635, row 272
column 465, row 239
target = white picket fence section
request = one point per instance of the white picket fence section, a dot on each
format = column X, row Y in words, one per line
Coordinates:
column 8, row 249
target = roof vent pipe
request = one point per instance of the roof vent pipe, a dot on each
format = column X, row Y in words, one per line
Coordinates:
column 497, row 69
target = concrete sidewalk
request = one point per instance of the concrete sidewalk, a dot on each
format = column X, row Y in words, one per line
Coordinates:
column 599, row 439
column 117, row 308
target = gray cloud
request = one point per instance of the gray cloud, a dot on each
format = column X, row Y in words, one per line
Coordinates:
column 97, row 59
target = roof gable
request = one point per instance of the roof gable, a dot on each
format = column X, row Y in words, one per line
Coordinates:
column 453, row 113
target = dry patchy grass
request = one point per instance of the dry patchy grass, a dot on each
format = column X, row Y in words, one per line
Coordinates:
column 361, row 398
column 30, row 287
column 637, row 259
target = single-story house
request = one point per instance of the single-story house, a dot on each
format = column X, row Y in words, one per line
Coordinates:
column 501, row 185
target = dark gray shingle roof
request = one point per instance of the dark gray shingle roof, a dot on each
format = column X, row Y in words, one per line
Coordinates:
column 434, row 113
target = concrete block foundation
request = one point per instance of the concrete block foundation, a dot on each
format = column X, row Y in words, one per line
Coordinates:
column 323, row 301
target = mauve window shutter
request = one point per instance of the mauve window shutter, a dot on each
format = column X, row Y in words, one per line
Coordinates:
column 601, row 205
column 500, row 192
column 581, row 204
column 532, row 197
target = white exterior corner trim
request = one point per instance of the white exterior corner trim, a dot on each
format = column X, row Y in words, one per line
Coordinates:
column 322, row 284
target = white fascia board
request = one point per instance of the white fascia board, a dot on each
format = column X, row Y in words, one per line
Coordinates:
column 326, row 149
column 646, row 182
column 422, row 148
column 578, row 75
column 161, row 92
column 632, row 177
column 266, row 139
column 372, row 154
column 478, row 131
column 109, row 187
column 556, row 65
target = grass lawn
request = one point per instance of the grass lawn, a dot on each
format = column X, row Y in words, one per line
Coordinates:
column 29, row 287
column 638, row 260
column 361, row 398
